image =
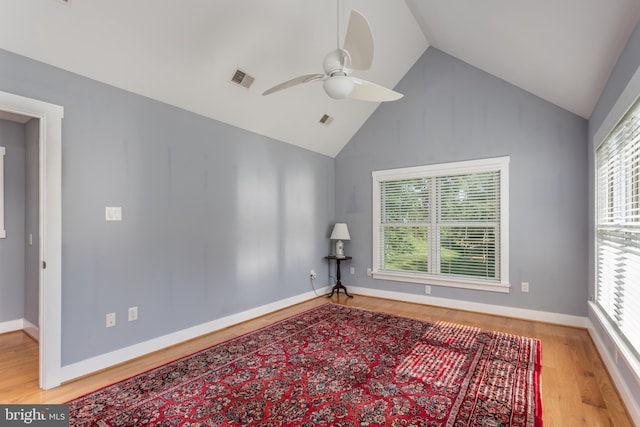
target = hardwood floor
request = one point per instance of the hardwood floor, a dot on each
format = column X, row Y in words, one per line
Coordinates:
column 576, row 388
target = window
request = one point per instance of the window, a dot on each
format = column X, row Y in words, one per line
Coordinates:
column 618, row 227
column 443, row 224
column 3, row 232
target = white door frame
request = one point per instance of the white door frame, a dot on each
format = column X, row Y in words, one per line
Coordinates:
column 50, row 224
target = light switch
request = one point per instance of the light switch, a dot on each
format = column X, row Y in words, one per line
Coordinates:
column 113, row 213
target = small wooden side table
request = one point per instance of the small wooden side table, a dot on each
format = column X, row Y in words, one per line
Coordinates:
column 336, row 288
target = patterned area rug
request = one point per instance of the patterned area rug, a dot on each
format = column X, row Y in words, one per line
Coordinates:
column 335, row 366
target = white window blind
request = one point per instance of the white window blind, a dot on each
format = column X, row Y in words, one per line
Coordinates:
column 443, row 224
column 3, row 231
column 618, row 227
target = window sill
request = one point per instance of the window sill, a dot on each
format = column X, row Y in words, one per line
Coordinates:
column 478, row 285
column 620, row 345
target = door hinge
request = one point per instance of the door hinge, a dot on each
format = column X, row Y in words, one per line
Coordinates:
column 44, row 264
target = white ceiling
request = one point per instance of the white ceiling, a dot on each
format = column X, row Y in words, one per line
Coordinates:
column 185, row 52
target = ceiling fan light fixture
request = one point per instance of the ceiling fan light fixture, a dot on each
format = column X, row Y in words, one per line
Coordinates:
column 338, row 87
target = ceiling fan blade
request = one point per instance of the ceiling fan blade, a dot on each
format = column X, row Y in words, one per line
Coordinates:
column 359, row 42
column 367, row 91
column 296, row 81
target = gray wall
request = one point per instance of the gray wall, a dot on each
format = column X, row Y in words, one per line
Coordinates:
column 452, row 111
column 13, row 246
column 216, row 220
column 31, row 221
column 628, row 63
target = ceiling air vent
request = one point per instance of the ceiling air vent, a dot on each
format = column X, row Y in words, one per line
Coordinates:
column 242, row 79
column 326, row 120
column 65, row 2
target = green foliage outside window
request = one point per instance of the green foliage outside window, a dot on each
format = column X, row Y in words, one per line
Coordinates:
column 461, row 212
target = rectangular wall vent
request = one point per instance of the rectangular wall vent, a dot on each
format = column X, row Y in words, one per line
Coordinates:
column 325, row 120
column 241, row 78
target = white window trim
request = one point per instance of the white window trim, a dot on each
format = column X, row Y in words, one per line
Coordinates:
column 3, row 231
column 500, row 164
column 624, row 102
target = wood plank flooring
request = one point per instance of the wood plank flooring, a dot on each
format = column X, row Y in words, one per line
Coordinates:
column 576, row 388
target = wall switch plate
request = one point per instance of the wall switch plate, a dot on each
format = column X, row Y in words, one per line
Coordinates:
column 113, row 213
column 525, row 286
column 427, row 289
column 352, row 270
column 133, row 314
column 111, row 320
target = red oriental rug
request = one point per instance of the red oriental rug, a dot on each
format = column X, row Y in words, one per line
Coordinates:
column 335, row 366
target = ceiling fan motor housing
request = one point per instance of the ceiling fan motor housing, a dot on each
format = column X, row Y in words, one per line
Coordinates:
column 337, row 62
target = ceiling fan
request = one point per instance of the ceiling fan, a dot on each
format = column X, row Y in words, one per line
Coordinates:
column 357, row 54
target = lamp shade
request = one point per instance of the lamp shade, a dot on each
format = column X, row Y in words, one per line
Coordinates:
column 340, row 232
column 338, row 87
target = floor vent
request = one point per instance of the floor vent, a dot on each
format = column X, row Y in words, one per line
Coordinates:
column 241, row 78
column 325, row 120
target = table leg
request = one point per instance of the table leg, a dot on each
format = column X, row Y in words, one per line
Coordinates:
column 336, row 288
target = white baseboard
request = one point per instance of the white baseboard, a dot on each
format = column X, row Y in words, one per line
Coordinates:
column 32, row 330
column 11, row 326
column 97, row 363
column 498, row 310
column 619, row 379
column 20, row 325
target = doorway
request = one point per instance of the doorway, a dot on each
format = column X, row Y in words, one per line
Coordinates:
column 19, row 233
column 49, row 226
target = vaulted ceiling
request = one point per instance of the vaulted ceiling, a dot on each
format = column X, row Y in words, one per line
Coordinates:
column 185, row 52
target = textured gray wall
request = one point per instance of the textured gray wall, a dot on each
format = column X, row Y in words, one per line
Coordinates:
column 12, row 248
column 31, row 218
column 216, row 220
column 627, row 65
column 452, row 111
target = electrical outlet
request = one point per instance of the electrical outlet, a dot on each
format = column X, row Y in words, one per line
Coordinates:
column 111, row 320
column 525, row 286
column 369, row 273
column 313, row 275
column 427, row 289
column 133, row 314
column 352, row 270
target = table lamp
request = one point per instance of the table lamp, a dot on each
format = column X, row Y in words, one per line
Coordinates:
column 340, row 232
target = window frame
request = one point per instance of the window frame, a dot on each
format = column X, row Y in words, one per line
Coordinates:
column 3, row 231
column 605, row 331
column 616, row 230
column 497, row 164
